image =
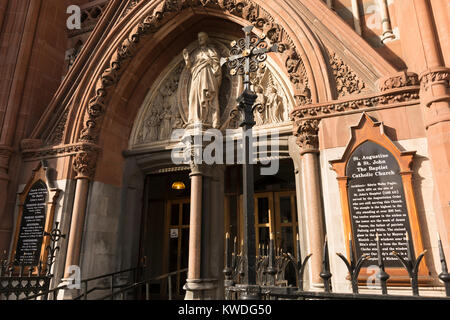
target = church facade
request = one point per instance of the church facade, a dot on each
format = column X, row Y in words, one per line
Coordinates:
column 353, row 113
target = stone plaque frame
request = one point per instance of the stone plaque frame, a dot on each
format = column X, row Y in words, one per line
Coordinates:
column 369, row 130
column 40, row 173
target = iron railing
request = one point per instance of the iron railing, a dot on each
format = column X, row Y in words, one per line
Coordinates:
column 122, row 289
column 146, row 283
column 272, row 263
column 18, row 280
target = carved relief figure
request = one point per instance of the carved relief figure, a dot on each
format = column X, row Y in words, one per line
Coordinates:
column 166, row 119
column 274, row 105
column 261, row 99
column 268, row 97
column 204, row 65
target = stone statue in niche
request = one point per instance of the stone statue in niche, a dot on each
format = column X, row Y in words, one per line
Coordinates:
column 206, row 73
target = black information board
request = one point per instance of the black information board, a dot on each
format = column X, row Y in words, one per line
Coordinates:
column 32, row 225
column 377, row 203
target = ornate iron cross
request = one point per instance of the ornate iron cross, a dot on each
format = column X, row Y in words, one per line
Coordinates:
column 247, row 55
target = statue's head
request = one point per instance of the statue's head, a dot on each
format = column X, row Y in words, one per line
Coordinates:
column 203, row 38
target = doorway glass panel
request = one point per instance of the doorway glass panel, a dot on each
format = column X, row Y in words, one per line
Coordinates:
column 178, row 248
column 275, row 212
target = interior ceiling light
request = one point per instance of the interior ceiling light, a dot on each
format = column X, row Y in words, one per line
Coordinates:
column 178, row 185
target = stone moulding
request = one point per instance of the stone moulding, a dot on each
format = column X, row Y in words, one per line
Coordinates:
column 402, row 79
column 304, row 116
column 59, row 151
column 396, row 97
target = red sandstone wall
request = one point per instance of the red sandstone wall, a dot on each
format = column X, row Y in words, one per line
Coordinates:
column 33, row 41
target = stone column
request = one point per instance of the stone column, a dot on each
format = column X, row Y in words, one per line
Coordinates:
column 385, row 22
column 356, row 17
column 435, row 101
column 202, row 280
column 195, row 227
column 308, row 141
column 84, row 164
column 77, row 224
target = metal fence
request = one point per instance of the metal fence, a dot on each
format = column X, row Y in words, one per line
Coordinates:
column 272, row 283
column 18, row 281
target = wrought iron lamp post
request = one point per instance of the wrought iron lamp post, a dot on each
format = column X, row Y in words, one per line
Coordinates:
column 247, row 55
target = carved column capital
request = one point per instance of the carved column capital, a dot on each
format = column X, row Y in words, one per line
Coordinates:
column 84, row 164
column 434, row 85
column 307, row 133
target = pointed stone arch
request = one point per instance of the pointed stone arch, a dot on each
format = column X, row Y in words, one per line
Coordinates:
column 139, row 24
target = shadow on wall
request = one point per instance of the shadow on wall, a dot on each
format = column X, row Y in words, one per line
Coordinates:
column 367, row 34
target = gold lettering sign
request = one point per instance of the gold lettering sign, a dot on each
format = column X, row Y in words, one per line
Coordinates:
column 36, row 212
column 376, row 193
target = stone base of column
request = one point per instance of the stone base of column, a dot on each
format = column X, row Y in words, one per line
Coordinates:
column 201, row 289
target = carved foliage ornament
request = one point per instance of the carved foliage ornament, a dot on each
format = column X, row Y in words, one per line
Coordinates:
column 84, row 164
column 402, row 79
column 406, row 95
column 151, row 23
column 307, row 133
column 438, row 77
column 347, row 82
column 433, row 77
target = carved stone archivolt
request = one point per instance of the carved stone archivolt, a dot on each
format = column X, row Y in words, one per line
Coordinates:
column 130, row 6
column 166, row 107
column 247, row 10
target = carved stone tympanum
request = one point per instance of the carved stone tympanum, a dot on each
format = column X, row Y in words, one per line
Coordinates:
column 194, row 89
